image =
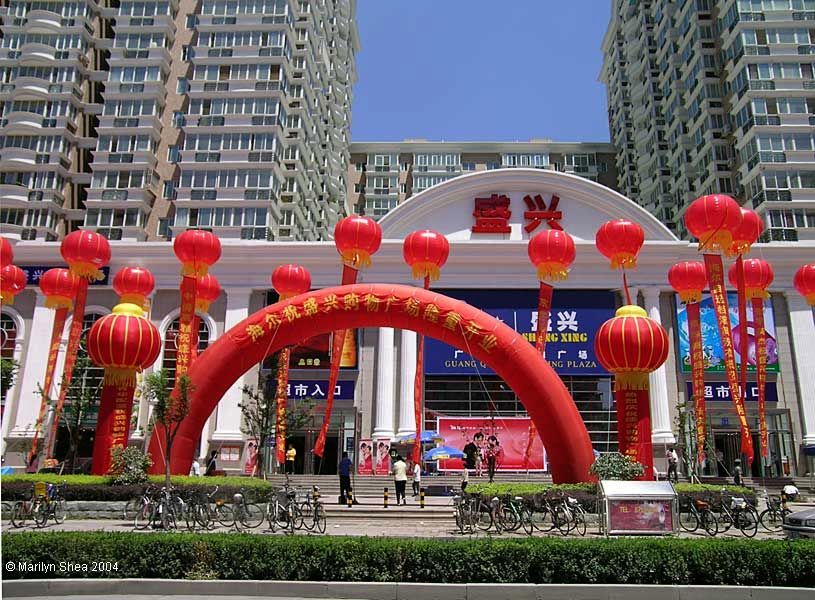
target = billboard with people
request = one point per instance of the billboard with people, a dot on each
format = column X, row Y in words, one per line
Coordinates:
column 503, row 441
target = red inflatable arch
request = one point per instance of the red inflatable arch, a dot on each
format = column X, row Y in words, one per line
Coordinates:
column 382, row 305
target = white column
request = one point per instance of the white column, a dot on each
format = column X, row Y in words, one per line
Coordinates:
column 802, row 330
column 661, row 430
column 228, row 420
column 407, row 377
column 385, row 377
column 33, row 370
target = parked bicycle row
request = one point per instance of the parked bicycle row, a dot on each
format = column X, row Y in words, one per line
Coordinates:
column 47, row 502
column 728, row 512
column 513, row 514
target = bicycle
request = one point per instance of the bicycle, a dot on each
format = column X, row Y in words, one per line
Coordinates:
column 28, row 509
column 739, row 514
column 198, row 511
column 244, row 514
column 576, row 516
column 283, row 512
column 312, row 515
column 53, row 505
column 772, row 517
column 515, row 515
column 562, row 516
column 696, row 513
column 133, row 506
column 144, row 514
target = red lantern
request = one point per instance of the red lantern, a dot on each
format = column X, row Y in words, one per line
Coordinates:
column 6, row 253
column 631, row 345
column 12, row 282
column 747, row 233
column 197, row 250
column 425, row 252
column 620, row 241
column 291, row 280
column 134, row 284
column 86, row 253
column 207, row 290
column 551, row 251
column 59, row 288
column 804, row 282
column 758, row 276
column 714, row 220
column 688, row 279
column 124, row 341
column 357, row 238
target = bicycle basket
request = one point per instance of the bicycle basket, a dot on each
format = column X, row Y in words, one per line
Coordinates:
column 738, row 503
column 40, row 488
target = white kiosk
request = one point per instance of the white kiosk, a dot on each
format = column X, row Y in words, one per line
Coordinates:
column 638, row 508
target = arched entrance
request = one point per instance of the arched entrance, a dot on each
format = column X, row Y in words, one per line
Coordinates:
column 403, row 307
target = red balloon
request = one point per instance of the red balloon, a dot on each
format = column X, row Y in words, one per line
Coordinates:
column 714, row 220
column 12, row 282
column 747, row 233
column 551, row 251
column 134, row 284
column 291, row 280
column 6, row 253
column 197, row 250
column 357, row 238
column 207, row 291
column 631, row 345
column 124, row 340
column 425, row 252
column 804, row 282
column 758, row 276
column 86, row 253
column 59, row 288
column 688, row 279
column 620, row 241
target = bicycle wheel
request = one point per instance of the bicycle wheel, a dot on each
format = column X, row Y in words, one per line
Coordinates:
column 131, row 508
column 203, row 517
column 41, row 511
column 748, row 521
column 709, row 523
column 224, row 515
column 294, row 517
column 508, row 519
column 562, row 518
column 689, row 520
column 483, row 518
column 545, row 522
column 252, row 516
column 526, row 521
column 144, row 516
column 580, row 522
column 771, row 519
column 19, row 514
column 306, row 520
column 319, row 519
column 725, row 520
column 59, row 511
column 190, row 517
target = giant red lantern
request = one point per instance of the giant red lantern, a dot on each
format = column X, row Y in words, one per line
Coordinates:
column 197, row 250
column 551, row 251
column 804, row 282
column 688, row 279
column 291, row 280
column 59, row 288
column 124, row 343
column 86, row 253
column 631, row 345
column 620, row 241
column 758, row 276
column 12, row 282
column 357, row 238
column 207, row 291
column 6, row 253
column 714, row 220
column 425, row 252
column 134, row 284
column 747, row 233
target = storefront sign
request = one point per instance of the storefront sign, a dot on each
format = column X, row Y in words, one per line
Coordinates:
column 315, row 352
column 479, row 435
column 641, row 516
column 34, row 272
column 712, row 348
column 315, row 389
column 574, row 319
column 719, row 391
column 492, row 214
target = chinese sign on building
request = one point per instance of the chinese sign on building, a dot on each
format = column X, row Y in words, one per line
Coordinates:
column 315, row 389
column 719, row 391
column 492, row 214
column 34, row 272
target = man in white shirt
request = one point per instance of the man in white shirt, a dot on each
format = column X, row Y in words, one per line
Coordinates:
column 417, row 478
column 195, row 470
column 788, row 494
column 400, row 479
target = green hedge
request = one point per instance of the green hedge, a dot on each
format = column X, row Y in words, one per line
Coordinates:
column 532, row 560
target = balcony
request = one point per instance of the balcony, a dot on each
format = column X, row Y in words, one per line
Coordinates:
column 771, row 196
column 35, row 54
column 43, row 21
column 780, row 234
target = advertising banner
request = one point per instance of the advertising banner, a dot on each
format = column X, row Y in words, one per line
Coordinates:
column 473, row 434
column 719, row 391
column 382, row 456
column 366, row 458
column 712, row 348
column 315, row 352
column 575, row 317
column 641, row 516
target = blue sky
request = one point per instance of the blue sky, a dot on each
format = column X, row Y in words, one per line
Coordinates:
column 476, row 70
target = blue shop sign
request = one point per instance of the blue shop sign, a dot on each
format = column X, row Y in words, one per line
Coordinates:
column 575, row 318
column 34, row 272
column 719, row 391
column 316, row 389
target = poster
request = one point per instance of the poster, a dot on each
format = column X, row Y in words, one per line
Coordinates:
column 512, row 434
column 251, row 466
column 711, row 341
column 382, row 457
column 645, row 516
column 366, row 458
column 575, row 318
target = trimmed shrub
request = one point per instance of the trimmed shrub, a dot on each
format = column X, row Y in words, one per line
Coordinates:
column 530, row 560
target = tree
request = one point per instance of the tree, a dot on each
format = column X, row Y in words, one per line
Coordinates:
column 8, row 372
column 170, row 407
column 616, row 466
column 259, row 409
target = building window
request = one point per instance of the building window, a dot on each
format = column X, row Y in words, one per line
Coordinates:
column 181, row 85
column 468, row 166
column 170, row 337
column 491, row 166
column 192, row 21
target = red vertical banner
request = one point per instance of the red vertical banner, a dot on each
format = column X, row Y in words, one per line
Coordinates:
column 715, row 276
column 71, row 351
column 349, row 277
column 544, row 309
column 281, row 401
column 742, row 307
column 761, row 371
column 697, row 365
column 418, row 392
column 634, row 427
column 60, row 316
column 187, row 338
column 113, row 422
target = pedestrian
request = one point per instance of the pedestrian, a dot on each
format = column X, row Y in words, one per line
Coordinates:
column 400, row 479
column 291, row 454
column 737, row 479
column 494, row 454
column 789, row 493
column 479, row 461
column 465, row 478
column 195, row 470
column 211, row 466
column 345, row 478
column 417, row 478
column 673, row 464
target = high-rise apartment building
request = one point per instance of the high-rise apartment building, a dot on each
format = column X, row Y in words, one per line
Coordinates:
column 141, row 119
column 383, row 174
column 710, row 96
